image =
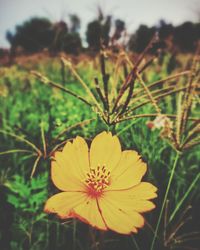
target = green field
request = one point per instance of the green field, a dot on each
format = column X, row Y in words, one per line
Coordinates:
column 37, row 117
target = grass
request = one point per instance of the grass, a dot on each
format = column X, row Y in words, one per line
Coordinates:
column 36, row 119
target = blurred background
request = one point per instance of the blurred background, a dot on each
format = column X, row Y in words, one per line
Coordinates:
column 73, row 26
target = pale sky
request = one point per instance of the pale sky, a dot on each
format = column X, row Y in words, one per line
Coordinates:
column 133, row 12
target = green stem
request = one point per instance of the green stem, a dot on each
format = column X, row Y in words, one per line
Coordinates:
column 127, row 127
column 184, row 197
column 165, row 198
column 135, row 243
column 93, row 241
column 74, row 234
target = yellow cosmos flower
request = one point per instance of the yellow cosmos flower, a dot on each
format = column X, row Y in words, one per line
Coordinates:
column 101, row 186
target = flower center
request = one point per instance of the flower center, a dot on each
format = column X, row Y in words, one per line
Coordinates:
column 97, row 180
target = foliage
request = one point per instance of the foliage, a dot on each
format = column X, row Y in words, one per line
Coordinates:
column 33, row 36
column 183, row 37
column 38, row 34
column 38, row 118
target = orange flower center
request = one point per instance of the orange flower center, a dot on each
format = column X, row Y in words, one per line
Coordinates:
column 97, row 180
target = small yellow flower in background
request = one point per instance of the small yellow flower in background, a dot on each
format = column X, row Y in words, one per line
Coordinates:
column 101, row 186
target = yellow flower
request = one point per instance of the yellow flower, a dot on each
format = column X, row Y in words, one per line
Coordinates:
column 101, row 186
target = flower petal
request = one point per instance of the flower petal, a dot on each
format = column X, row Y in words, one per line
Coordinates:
column 119, row 220
column 77, row 154
column 63, row 203
column 135, row 198
column 80, row 155
column 105, row 151
column 64, row 178
column 89, row 213
column 70, row 166
column 128, row 172
column 145, row 190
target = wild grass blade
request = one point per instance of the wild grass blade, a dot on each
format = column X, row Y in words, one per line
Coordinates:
column 177, row 156
column 22, row 139
column 12, row 151
column 35, row 165
column 178, row 206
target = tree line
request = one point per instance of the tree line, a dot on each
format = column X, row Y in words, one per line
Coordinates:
column 38, row 34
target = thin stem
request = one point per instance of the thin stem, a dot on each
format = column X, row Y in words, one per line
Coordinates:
column 135, row 243
column 74, row 233
column 35, row 165
column 150, row 115
column 45, row 80
column 105, row 78
column 92, row 234
column 151, row 98
column 84, row 85
column 12, row 151
column 57, row 146
column 127, row 127
column 133, row 74
column 165, row 221
column 43, row 139
column 155, row 98
column 178, row 227
column 98, row 89
column 101, row 240
column 79, row 124
column 165, row 198
column 20, row 138
column 184, row 197
column 163, row 81
column 128, row 98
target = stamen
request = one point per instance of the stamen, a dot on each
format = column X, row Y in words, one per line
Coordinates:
column 98, row 179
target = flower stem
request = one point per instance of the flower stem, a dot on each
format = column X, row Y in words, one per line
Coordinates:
column 184, row 197
column 135, row 243
column 165, row 198
column 74, row 234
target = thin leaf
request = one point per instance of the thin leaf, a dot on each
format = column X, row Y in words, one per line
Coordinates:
column 12, row 151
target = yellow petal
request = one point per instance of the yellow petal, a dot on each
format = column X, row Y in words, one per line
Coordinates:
column 70, row 166
column 90, row 213
column 145, row 190
column 64, row 178
column 119, row 220
column 105, row 151
column 128, row 172
column 135, row 198
column 63, row 203
column 77, row 155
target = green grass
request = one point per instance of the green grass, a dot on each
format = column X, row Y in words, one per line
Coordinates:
column 33, row 114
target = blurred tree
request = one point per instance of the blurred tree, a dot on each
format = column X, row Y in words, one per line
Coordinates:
column 72, row 43
column 182, row 38
column 33, row 35
column 39, row 33
column 75, row 23
column 69, row 42
column 93, row 35
column 98, row 31
column 186, row 36
column 60, row 31
column 165, row 29
column 119, row 28
column 141, row 38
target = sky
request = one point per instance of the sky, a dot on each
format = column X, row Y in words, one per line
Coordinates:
column 133, row 12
